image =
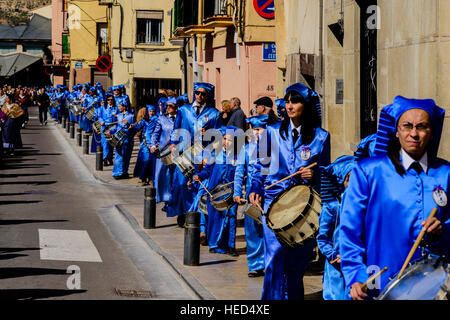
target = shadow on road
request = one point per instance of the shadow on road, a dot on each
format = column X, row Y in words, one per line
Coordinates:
column 216, row 262
column 31, row 294
column 29, row 182
column 10, row 222
column 11, row 256
column 6, row 202
column 8, row 250
column 11, row 175
column 6, row 273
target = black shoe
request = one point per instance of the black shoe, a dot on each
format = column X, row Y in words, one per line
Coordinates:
column 256, row 273
column 165, row 207
column 212, row 250
column 203, row 240
column 105, row 163
column 181, row 220
column 232, row 252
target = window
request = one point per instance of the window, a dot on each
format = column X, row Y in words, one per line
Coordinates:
column 102, row 39
column 150, row 27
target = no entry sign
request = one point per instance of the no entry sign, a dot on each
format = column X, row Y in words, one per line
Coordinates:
column 103, row 63
column 265, row 8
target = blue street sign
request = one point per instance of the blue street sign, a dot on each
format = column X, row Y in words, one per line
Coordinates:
column 269, row 51
column 79, row 65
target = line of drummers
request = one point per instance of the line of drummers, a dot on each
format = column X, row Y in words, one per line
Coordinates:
column 379, row 217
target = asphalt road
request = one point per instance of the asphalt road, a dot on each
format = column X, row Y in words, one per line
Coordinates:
column 60, row 235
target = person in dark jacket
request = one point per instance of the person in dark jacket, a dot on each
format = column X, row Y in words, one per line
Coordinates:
column 43, row 102
column 237, row 117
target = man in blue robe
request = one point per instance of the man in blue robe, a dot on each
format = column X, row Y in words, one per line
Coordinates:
column 391, row 195
column 107, row 114
column 292, row 145
column 193, row 119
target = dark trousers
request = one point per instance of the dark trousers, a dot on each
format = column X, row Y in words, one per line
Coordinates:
column 42, row 114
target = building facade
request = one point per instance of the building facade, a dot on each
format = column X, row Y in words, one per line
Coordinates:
column 230, row 45
column 359, row 55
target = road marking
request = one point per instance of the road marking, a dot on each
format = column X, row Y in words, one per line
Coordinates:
column 67, row 245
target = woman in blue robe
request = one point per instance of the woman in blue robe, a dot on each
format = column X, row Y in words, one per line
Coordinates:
column 145, row 162
column 334, row 180
column 390, row 196
column 87, row 103
column 189, row 121
column 292, row 144
column 123, row 152
column 96, row 137
column 107, row 114
column 221, row 229
column 245, row 166
column 159, row 139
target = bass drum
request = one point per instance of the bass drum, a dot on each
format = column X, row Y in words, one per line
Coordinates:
column 294, row 215
column 425, row 279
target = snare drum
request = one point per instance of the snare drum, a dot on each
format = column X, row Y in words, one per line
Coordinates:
column 185, row 161
column 203, row 204
column 422, row 280
column 294, row 215
column 165, row 155
column 75, row 107
column 252, row 212
column 90, row 113
column 222, row 197
column 97, row 127
column 116, row 140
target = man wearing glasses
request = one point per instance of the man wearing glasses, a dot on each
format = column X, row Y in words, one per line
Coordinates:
column 195, row 118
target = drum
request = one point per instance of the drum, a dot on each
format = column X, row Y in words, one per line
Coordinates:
column 185, row 161
column 222, row 197
column 294, row 215
column 203, row 204
column 116, row 139
column 97, row 127
column 90, row 113
column 75, row 107
column 165, row 155
column 252, row 212
column 422, row 280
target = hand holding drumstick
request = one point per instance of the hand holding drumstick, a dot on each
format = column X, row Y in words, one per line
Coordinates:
column 305, row 172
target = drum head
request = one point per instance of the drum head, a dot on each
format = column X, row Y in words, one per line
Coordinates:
column 288, row 206
column 421, row 281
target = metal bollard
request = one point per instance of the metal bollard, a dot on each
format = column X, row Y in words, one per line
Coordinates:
column 67, row 126
column 79, row 134
column 192, row 239
column 99, row 159
column 64, row 122
column 85, row 144
column 150, row 208
column 72, row 130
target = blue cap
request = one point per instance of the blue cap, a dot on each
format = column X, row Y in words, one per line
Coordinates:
column 183, row 99
column 172, row 100
column 310, row 96
column 209, row 89
column 150, row 107
column 333, row 176
column 390, row 115
column 231, row 130
column 366, row 147
column 281, row 108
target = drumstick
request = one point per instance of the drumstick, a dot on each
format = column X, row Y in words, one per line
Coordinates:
column 210, row 195
column 334, row 261
column 371, row 279
column 292, row 175
column 416, row 244
column 259, row 207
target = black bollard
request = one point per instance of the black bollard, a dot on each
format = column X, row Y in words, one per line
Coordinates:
column 67, row 126
column 192, row 239
column 85, row 144
column 72, row 130
column 64, row 122
column 79, row 134
column 99, row 159
column 150, row 208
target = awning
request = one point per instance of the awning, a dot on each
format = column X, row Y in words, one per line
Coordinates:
column 11, row 64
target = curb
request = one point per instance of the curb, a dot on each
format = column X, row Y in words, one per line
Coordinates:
column 184, row 274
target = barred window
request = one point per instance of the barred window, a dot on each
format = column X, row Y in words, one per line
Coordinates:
column 150, row 27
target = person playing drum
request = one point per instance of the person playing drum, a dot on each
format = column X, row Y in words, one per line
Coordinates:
column 123, row 152
column 293, row 144
column 390, row 196
column 107, row 115
column 245, row 166
column 333, row 182
column 221, row 229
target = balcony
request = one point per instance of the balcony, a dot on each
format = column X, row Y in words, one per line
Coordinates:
column 105, row 2
column 218, row 14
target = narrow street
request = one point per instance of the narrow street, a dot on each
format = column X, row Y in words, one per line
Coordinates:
column 55, row 219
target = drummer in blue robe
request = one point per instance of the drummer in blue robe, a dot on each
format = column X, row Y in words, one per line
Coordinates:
column 391, row 195
column 123, row 152
column 161, row 106
column 334, row 180
column 193, row 119
column 182, row 100
column 221, row 229
column 107, row 114
column 97, row 103
column 245, row 167
column 293, row 144
column 159, row 140
column 145, row 162
column 72, row 96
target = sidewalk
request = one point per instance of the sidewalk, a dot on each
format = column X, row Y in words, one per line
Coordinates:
column 219, row 276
